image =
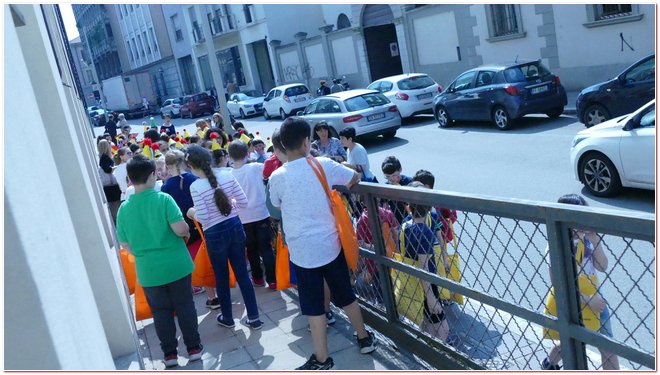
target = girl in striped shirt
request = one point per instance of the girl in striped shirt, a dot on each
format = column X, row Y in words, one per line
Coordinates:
column 216, row 196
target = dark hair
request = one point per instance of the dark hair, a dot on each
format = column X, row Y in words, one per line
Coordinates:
column 99, row 139
column 200, row 158
column 425, row 177
column 348, row 133
column 139, row 168
column 134, row 148
column 321, row 125
column 217, row 156
column 236, row 136
column 276, row 139
column 238, row 150
column 314, row 152
column 167, row 116
column 126, row 127
column 572, row 199
column 390, row 165
column 258, row 141
column 249, row 144
column 418, row 210
column 164, row 137
column 153, row 135
column 238, row 125
column 222, row 137
column 294, row 131
column 120, row 152
column 193, row 139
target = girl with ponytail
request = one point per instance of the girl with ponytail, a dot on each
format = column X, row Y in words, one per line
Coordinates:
column 216, row 195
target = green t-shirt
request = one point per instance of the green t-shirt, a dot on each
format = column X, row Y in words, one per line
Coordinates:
column 143, row 221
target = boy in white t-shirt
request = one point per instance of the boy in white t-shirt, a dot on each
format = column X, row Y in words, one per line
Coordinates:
column 255, row 216
column 311, row 234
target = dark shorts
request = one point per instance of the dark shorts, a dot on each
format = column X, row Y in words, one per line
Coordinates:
column 310, row 286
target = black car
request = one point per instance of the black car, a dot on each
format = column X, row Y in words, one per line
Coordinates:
column 621, row 95
column 501, row 93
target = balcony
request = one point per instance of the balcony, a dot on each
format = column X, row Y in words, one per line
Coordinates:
column 198, row 35
column 221, row 24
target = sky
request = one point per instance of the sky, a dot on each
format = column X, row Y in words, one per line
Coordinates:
column 69, row 21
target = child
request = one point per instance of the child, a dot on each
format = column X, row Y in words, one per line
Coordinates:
column 314, row 246
column 259, row 155
column 220, row 158
column 255, row 217
column 122, row 157
column 150, row 225
column 168, row 126
column 391, row 168
column 276, row 159
column 217, row 196
column 356, row 155
column 592, row 259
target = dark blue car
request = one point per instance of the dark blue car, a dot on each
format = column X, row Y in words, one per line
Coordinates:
column 501, row 93
column 619, row 96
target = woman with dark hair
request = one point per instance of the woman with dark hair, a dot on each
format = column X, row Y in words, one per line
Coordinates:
column 223, row 138
column 216, row 196
column 110, row 186
column 328, row 146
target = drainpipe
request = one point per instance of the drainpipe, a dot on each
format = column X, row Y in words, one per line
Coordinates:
column 300, row 37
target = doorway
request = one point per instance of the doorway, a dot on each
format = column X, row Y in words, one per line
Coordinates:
column 262, row 59
column 381, row 41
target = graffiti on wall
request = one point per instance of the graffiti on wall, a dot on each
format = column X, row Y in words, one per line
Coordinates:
column 296, row 72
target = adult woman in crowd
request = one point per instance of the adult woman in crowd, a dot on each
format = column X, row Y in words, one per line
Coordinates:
column 328, row 146
column 110, row 186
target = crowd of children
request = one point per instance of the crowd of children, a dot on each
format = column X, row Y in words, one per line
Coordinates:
column 239, row 187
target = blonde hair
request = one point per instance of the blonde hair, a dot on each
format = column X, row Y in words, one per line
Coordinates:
column 175, row 159
column 201, row 123
column 103, row 148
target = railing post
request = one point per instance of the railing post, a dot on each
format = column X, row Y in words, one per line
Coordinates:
column 564, row 281
column 381, row 252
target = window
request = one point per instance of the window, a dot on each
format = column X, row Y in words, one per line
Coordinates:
column 526, row 72
column 311, row 108
column 153, row 37
column 247, row 11
column 464, row 82
column 415, row 83
column 108, row 30
column 504, row 22
column 140, row 45
column 130, row 51
column 648, row 120
column 343, row 22
column 374, row 86
column 365, row 101
column 386, row 86
column 296, row 90
column 327, row 106
column 608, row 14
column 642, row 72
column 485, row 78
column 198, row 35
column 230, row 66
column 146, row 41
column 121, row 15
column 176, row 26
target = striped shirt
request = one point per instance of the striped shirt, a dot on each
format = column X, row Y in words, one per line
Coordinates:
column 206, row 212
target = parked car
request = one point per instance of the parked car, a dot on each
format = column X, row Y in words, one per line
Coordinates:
column 622, row 94
column 171, row 107
column 617, row 153
column 501, row 93
column 286, row 100
column 242, row 105
column 196, row 105
column 368, row 111
column 97, row 116
column 412, row 93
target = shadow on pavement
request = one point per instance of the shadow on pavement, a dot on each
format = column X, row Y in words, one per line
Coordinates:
column 628, row 199
column 525, row 125
column 376, row 144
column 476, row 340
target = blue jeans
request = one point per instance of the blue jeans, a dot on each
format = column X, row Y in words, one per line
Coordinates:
column 225, row 241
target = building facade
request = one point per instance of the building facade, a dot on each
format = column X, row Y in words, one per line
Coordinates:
column 180, row 40
column 98, row 36
column 83, row 68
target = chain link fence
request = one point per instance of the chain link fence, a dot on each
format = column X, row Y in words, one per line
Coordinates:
column 478, row 280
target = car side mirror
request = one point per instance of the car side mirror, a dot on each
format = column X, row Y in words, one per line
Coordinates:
column 299, row 113
column 266, row 99
column 630, row 125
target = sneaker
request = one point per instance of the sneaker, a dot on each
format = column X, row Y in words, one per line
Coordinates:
column 213, row 304
column 227, row 323
column 197, row 290
column 313, row 364
column 545, row 365
column 367, row 344
column 171, row 360
column 196, row 353
column 258, row 282
column 272, row 286
column 330, row 317
column 254, row 324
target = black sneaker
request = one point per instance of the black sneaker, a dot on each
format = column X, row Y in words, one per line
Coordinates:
column 213, row 304
column 367, row 344
column 330, row 317
column 228, row 323
column 546, row 365
column 254, row 324
column 314, row 364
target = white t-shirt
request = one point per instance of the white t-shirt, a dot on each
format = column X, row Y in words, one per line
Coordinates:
column 122, row 179
column 309, row 224
column 131, row 189
column 206, row 212
column 358, row 155
column 250, row 177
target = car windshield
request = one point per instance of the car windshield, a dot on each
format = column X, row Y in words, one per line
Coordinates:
column 176, row 101
column 242, row 97
column 365, row 101
column 415, row 83
column 525, row 72
column 296, row 90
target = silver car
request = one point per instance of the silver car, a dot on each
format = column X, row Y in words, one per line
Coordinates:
column 368, row 111
column 171, row 107
column 241, row 105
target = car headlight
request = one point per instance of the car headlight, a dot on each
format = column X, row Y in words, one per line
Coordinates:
column 578, row 139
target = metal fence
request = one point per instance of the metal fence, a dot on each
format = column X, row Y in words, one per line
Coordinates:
column 506, row 256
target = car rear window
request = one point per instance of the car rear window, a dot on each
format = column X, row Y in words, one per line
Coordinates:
column 296, row 90
column 526, row 72
column 415, row 83
column 200, row 97
column 365, row 101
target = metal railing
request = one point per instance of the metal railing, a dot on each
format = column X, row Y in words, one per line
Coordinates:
column 509, row 253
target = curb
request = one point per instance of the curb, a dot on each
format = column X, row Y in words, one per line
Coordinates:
column 570, row 111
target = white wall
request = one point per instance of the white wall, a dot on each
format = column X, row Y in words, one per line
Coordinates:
column 285, row 20
column 528, row 47
column 344, row 52
column 443, row 47
column 316, row 60
column 290, row 64
column 580, row 46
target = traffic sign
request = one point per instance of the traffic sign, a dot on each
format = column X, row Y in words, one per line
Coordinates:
column 90, row 95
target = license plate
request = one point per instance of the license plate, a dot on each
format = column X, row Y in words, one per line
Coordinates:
column 424, row 96
column 540, row 89
column 377, row 116
column 297, row 100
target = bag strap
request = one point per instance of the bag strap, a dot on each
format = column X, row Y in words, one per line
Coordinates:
column 199, row 229
column 320, row 174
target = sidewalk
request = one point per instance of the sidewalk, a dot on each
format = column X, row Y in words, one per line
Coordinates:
column 283, row 343
column 570, row 109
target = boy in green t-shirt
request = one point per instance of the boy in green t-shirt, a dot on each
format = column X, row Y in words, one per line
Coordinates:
column 150, row 225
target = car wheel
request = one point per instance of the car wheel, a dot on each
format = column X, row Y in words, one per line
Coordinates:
column 171, row 114
column 190, row 114
column 266, row 114
column 501, row 118
column 162, row 115
column 282, row 114
column 555, row 112
column 595, row 114
column 241, row 113
column 441, row 115
column 390, row 134
column 599, row 175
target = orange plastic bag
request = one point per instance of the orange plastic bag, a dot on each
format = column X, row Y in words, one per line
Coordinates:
column 347, row 235
column 284, row 276
column 203, row 274
column 390, row 245
column 142, row 310
column 128, row 266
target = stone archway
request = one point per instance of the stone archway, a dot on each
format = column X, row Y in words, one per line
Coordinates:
column 381, row 41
